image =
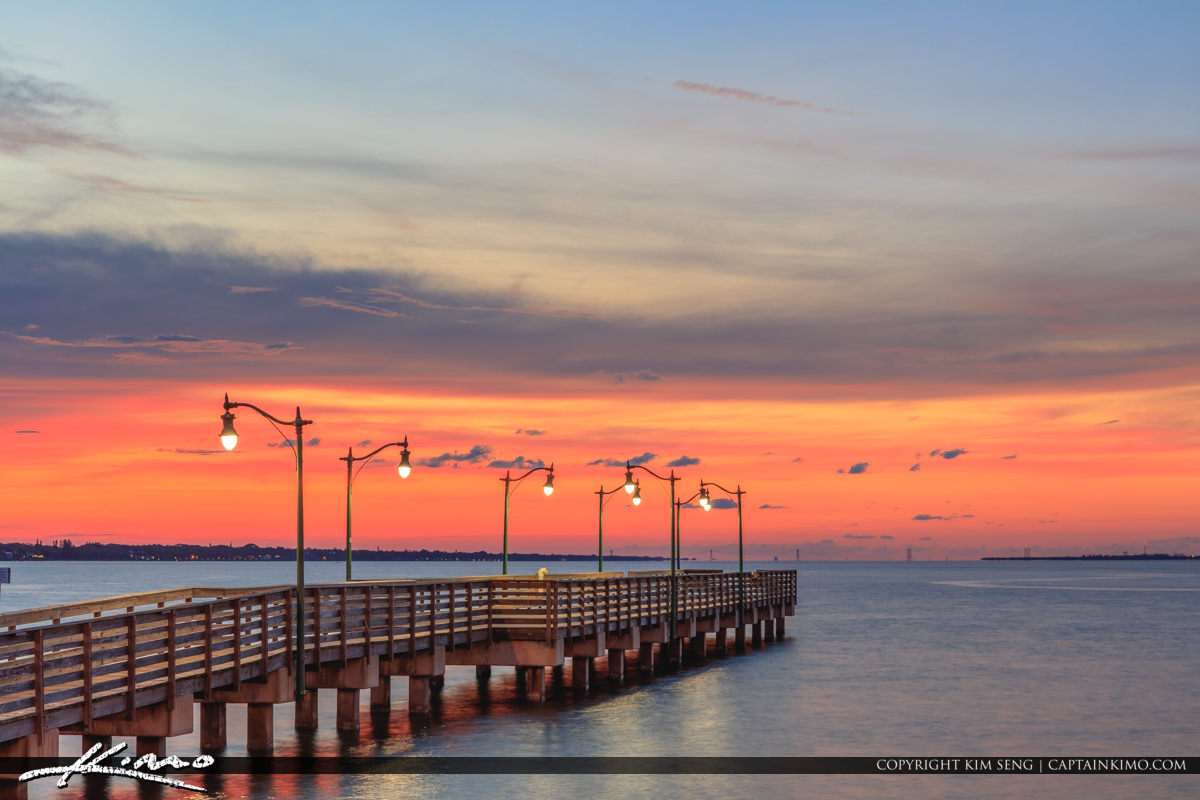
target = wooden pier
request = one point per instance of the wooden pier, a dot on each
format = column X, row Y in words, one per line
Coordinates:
column 136, row 666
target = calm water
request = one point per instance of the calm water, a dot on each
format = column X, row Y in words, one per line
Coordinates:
column 882, row 659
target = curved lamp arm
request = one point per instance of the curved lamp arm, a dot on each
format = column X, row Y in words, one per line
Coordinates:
column 405, row 467
column 547, row 487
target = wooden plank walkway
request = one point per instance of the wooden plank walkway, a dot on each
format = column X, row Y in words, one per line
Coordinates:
column 129, row 658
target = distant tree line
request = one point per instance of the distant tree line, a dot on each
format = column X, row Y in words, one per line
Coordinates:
column 66, row 550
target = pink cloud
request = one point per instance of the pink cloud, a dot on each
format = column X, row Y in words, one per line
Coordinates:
column 753, row 97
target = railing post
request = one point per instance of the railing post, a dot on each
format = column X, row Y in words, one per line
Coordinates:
column 289, row 623
column 345, row 627
column 453, row 600
column 171, row 660
column 237, row 643
column 366, row 596
column 39, row 683
column 266, row 642
column 391, row 595
column 87, row 673
column 131, row 664
column 208, row 649
column 412, row 620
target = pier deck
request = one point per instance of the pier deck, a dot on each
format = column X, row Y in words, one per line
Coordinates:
column 135, row 665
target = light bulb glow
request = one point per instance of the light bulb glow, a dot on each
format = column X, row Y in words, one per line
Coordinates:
column 229, row 436
column 637, row 495
column 629, row 483
column 548, row 486
column 404, row 468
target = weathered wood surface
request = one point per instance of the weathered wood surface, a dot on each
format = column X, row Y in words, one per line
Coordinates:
column 55, row 674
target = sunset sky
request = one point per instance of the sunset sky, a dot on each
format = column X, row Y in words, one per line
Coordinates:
column 911, row 274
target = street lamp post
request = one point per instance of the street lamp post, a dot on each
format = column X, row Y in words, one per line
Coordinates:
column 741, row 571
column 629, row 487
column 547, row 488
column 636, row 499
column 404, row 468
column 229, row 438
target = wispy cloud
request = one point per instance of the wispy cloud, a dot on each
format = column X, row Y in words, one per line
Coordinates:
column 768, row 506
column 169, row 343
column 520, row 462
column 683, row 461
column 348, row 305
column 1189, row 151
column 26, row 431
column 636, row 377
column 949, row 454
column 313, row 442
column 644, row 458
column 732, row 93
column 37, row 113
column 379, row 295
column 479, row 452
column 529, row 432
column 856, row 469
column 251, row 289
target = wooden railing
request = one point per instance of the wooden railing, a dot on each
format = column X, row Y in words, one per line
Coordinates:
column 62, row 673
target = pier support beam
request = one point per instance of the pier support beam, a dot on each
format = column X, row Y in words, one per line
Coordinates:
column 260, row 727
column 483, row 672
column 756, row 637
column 381, row 695
column 646, row 657
column 420, row 698
column 213, row 727
column 581, row 673
column 535, row 684
column 147, row 745
column 739, row 639
column 347, row 709
column 671, row 653
column 88, row 742
column 306, row 711
column 616, row 666
column 698, row 646
column 768, row 630
column 779, row 628
column 721, row 645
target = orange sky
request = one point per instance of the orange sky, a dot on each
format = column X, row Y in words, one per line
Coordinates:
column 1091, row 470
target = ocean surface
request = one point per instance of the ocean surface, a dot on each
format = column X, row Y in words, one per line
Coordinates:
column 918, row 659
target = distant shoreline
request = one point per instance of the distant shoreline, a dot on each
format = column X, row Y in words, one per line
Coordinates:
column 1123, row 557
column 66, row 550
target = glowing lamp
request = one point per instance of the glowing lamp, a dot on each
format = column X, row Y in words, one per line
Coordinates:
column 637, row 495
column 548, row 486
column 404, row 467
column 629, row 483
column 229, row 436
